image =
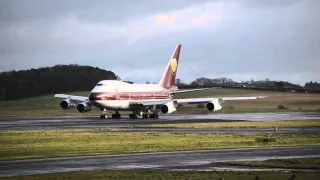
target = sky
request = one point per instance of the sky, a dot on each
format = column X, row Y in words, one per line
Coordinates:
column 237, row 39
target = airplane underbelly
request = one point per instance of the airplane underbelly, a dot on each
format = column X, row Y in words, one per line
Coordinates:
column 112, row 104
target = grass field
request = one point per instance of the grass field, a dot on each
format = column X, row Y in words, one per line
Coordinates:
column 296, row 163
column 170, row 175
column 48, row 105
column 263, row 124
column 56, row 143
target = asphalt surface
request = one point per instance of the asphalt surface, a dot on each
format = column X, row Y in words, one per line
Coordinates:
column 183, row 160
column 72, row 122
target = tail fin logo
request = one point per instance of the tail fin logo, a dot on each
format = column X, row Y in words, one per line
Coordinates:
column 174, row 65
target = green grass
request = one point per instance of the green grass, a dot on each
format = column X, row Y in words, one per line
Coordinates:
column 49, row 106
column 169, row 175
column 56, row 143
column 241, row 124
column 296, row 163
column 40, row 101
column 40, row 106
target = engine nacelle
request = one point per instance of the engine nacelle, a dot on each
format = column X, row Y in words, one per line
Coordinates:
column 84, row 107
column 67, row 104
column 168, row 108
column 213, row 106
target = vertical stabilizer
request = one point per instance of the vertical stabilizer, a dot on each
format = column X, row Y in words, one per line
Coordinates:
column 168, row 78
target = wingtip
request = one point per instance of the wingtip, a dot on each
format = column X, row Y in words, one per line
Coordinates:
column 261, row 97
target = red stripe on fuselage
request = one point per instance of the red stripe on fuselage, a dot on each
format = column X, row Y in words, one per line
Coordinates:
column 127, row 95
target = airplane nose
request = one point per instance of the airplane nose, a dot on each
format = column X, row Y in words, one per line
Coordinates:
column 94, row 96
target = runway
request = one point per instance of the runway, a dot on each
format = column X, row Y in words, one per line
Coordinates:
column 184, row 160
column 76, row 122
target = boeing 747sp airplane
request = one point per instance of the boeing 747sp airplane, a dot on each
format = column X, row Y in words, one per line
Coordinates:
column 146, row 100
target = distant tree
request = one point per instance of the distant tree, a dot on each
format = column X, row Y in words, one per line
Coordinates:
column 280, row 84
column 252, row 81
column 117, row 78
column 49, row 80
column 194, row 84
column 2, row 95
column 178, row 82
column 312, row 85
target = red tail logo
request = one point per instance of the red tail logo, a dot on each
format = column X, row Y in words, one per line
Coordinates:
column 168, row 78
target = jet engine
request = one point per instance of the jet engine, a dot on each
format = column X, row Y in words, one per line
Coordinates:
column 213, row 106
column 168, row 108
column 67, row 104
column 84, row 107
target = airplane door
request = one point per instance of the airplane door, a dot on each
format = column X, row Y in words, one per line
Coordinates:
column 117, row 94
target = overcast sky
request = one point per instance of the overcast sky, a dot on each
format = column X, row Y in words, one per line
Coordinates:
column 238, row 39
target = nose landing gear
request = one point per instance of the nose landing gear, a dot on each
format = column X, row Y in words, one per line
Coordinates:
column 104, row 114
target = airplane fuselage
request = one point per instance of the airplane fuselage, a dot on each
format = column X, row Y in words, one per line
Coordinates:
column 117, row 95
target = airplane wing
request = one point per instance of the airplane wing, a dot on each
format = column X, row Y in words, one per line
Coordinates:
column 205, row 100
column 190, row 90
column 192, row 100
column 71, row 97
column 150, row 102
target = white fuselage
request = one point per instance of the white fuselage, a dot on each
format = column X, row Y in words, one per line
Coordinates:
column 117, row 95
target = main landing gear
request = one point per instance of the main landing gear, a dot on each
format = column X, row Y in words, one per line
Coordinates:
column 154, row 116
column 144, row 116
column 134, row 115
column 116, row 115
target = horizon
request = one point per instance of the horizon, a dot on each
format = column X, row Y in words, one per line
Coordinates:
column 153, row 82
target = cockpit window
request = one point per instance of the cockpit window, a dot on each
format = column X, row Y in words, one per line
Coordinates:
column 100, row 84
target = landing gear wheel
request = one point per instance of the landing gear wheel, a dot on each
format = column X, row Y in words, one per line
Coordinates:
column 145, row 116
column 103, row 116
column 133, row 116
column 154, row 116
column 116, row 116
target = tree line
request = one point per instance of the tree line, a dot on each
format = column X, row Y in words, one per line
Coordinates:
column 49, row 80
column 312, row 85
column 265, row 84
column 68, row 78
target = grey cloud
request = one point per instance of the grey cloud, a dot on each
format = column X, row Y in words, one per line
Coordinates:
column 91, row 10
column 107, row 10
column 283, row 46
column 260, row 39
column 269, row 3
